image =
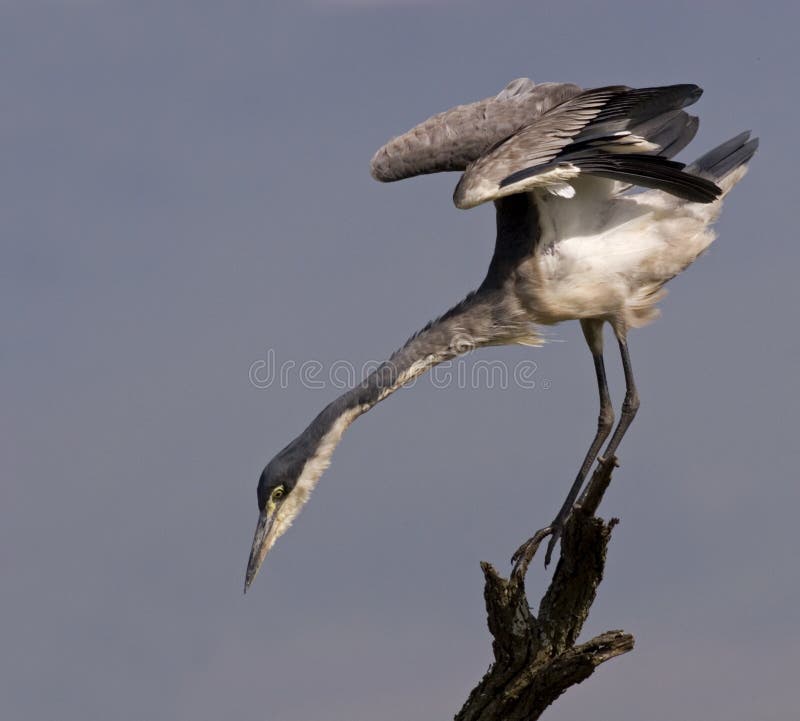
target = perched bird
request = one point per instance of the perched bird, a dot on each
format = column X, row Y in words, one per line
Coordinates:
column 573, row 243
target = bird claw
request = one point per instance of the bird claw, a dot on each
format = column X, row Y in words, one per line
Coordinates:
column 525, row 553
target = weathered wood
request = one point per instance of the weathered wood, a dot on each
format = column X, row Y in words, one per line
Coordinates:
column 535, row 657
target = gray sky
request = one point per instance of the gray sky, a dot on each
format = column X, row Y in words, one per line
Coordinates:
column 184, row 187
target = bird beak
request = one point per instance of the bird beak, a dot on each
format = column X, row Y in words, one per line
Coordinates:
column 263, row 539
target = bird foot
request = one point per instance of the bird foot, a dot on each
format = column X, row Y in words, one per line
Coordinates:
column 525, row 553
column 558, row 529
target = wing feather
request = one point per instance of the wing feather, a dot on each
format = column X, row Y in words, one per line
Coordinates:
column 592, row 133
column 455, row 138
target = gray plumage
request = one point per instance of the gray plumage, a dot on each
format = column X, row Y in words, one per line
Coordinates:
column 571, row 245
column 614, row 132
column 455, row 138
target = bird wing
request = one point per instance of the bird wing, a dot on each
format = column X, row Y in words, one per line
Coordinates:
column 613, row 132
column 455, row 138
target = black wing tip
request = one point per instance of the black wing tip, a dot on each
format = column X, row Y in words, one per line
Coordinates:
column 652, row 171
column 691, row 187
column 693, row 92
column 690, row 92
column 705, row 192
column 644, row 170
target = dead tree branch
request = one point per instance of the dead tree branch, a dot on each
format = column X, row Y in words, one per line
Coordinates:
column 535, row 657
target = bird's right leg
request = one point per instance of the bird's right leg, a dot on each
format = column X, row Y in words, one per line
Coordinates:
column 593, row 332
column 631, row 403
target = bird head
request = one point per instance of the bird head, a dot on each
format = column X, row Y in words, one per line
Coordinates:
column 288, row 479
column 279, row 501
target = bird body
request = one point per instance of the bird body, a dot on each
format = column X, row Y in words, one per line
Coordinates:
column 608, row 257
column 572, row 244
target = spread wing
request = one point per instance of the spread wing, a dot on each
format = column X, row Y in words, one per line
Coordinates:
column 614, row 132
column 455, row 138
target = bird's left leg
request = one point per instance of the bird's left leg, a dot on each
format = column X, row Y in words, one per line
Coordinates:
column 629, row 407
column 593, row 332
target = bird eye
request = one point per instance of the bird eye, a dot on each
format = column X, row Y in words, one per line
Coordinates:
column 277, row 493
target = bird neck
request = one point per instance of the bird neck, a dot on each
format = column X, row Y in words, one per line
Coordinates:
column 486, row 317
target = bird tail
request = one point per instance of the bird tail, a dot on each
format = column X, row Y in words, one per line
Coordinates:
column 720, row 162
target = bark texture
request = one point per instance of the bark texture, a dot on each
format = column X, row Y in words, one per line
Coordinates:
column 536, row 658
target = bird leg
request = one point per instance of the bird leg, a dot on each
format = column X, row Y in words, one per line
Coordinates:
column 629, row 406
column 592, row 330
column 605, row 422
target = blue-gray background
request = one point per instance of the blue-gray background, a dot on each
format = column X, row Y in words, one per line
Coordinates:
column 184, row 186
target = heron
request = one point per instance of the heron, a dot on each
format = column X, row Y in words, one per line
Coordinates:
column 593, row 216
